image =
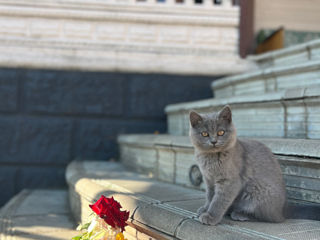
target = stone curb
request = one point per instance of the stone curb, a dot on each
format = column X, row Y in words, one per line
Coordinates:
column 164, row 217
column 265, row 73
column 282, row 146
column 294, row 93
column 292, row 113
column 286, row 51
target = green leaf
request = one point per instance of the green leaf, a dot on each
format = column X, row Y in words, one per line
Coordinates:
column 85, row 226
column 77, row 237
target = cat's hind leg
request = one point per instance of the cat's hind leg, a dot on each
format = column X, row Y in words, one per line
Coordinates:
column 263, row 207
column 270, row 210
column 238, row 216
column 243, row 208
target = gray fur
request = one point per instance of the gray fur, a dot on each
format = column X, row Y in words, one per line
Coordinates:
column 241, row 175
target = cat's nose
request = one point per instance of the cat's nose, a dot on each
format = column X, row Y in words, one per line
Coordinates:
column 213, row 141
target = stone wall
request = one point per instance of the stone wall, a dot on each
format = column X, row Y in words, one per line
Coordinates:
column 50, row 117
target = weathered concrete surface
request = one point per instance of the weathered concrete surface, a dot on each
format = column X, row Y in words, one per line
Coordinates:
column 301, row 74
column 37, row 214
column 304, row 52
column 292, row 113
column 168, row 210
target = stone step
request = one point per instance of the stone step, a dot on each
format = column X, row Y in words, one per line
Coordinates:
column 170, row 158
column 37, row 214
column 273, row 79
column 287, row 56
column 293, row 113
column 167, row 211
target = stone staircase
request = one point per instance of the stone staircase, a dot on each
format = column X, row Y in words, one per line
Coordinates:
column 157, row 179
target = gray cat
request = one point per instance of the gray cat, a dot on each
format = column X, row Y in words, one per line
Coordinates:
column 242, row 176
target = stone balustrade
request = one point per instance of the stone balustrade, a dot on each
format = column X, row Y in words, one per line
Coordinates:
column 139, row 36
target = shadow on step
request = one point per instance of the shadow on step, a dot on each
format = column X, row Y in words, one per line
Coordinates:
column 303, row 211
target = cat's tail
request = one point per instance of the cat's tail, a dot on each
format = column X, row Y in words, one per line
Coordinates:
column 302, row 211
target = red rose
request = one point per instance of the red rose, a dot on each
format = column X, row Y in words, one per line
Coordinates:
column 109, row 210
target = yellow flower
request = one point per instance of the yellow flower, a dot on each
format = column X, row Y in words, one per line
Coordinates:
column 120, row 236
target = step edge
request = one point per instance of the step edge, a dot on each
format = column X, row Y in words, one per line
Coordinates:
column 298, row 93
column 264, row 73
column 279, row 146
column 285, row 51
column 183, row 217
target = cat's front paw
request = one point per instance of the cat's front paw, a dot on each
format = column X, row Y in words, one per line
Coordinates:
column 201, row 210
column 207, row 219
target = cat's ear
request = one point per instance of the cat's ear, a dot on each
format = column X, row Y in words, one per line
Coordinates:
column 195, row 118
column 225, row 114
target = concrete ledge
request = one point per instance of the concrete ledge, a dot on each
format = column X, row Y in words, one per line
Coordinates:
column 293, row 113
column 118, row 57
column 170, row 158
column 167, row 211
column 288, row 56
column 37, row 214
column 278, row 78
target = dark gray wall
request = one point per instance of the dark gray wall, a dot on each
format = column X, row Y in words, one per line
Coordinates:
column 48, row 118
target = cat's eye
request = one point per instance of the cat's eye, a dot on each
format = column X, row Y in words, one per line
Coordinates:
column 221, row 133
column 204, row 134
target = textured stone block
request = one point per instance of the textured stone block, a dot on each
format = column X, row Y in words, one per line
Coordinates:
column 174, row 35
column 74, row 92
column 315, row 53
column 297, row 75
column 142, row 33
column 184, row 161
column 13, row 26
column 113, row 32
column 7, row 183
column 291, row 58
column 313, row 119
column 255, row 86
column 206, row 36
column 40, row 177
column 8, row 90
column 296, row 119
column 149, row 94
column 302, row 78
column 166, row 164
column 78, row 29
column 35, row 140
column 45, row 28
column 96, row 139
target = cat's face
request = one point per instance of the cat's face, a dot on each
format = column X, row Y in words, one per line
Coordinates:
column 212, row 132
